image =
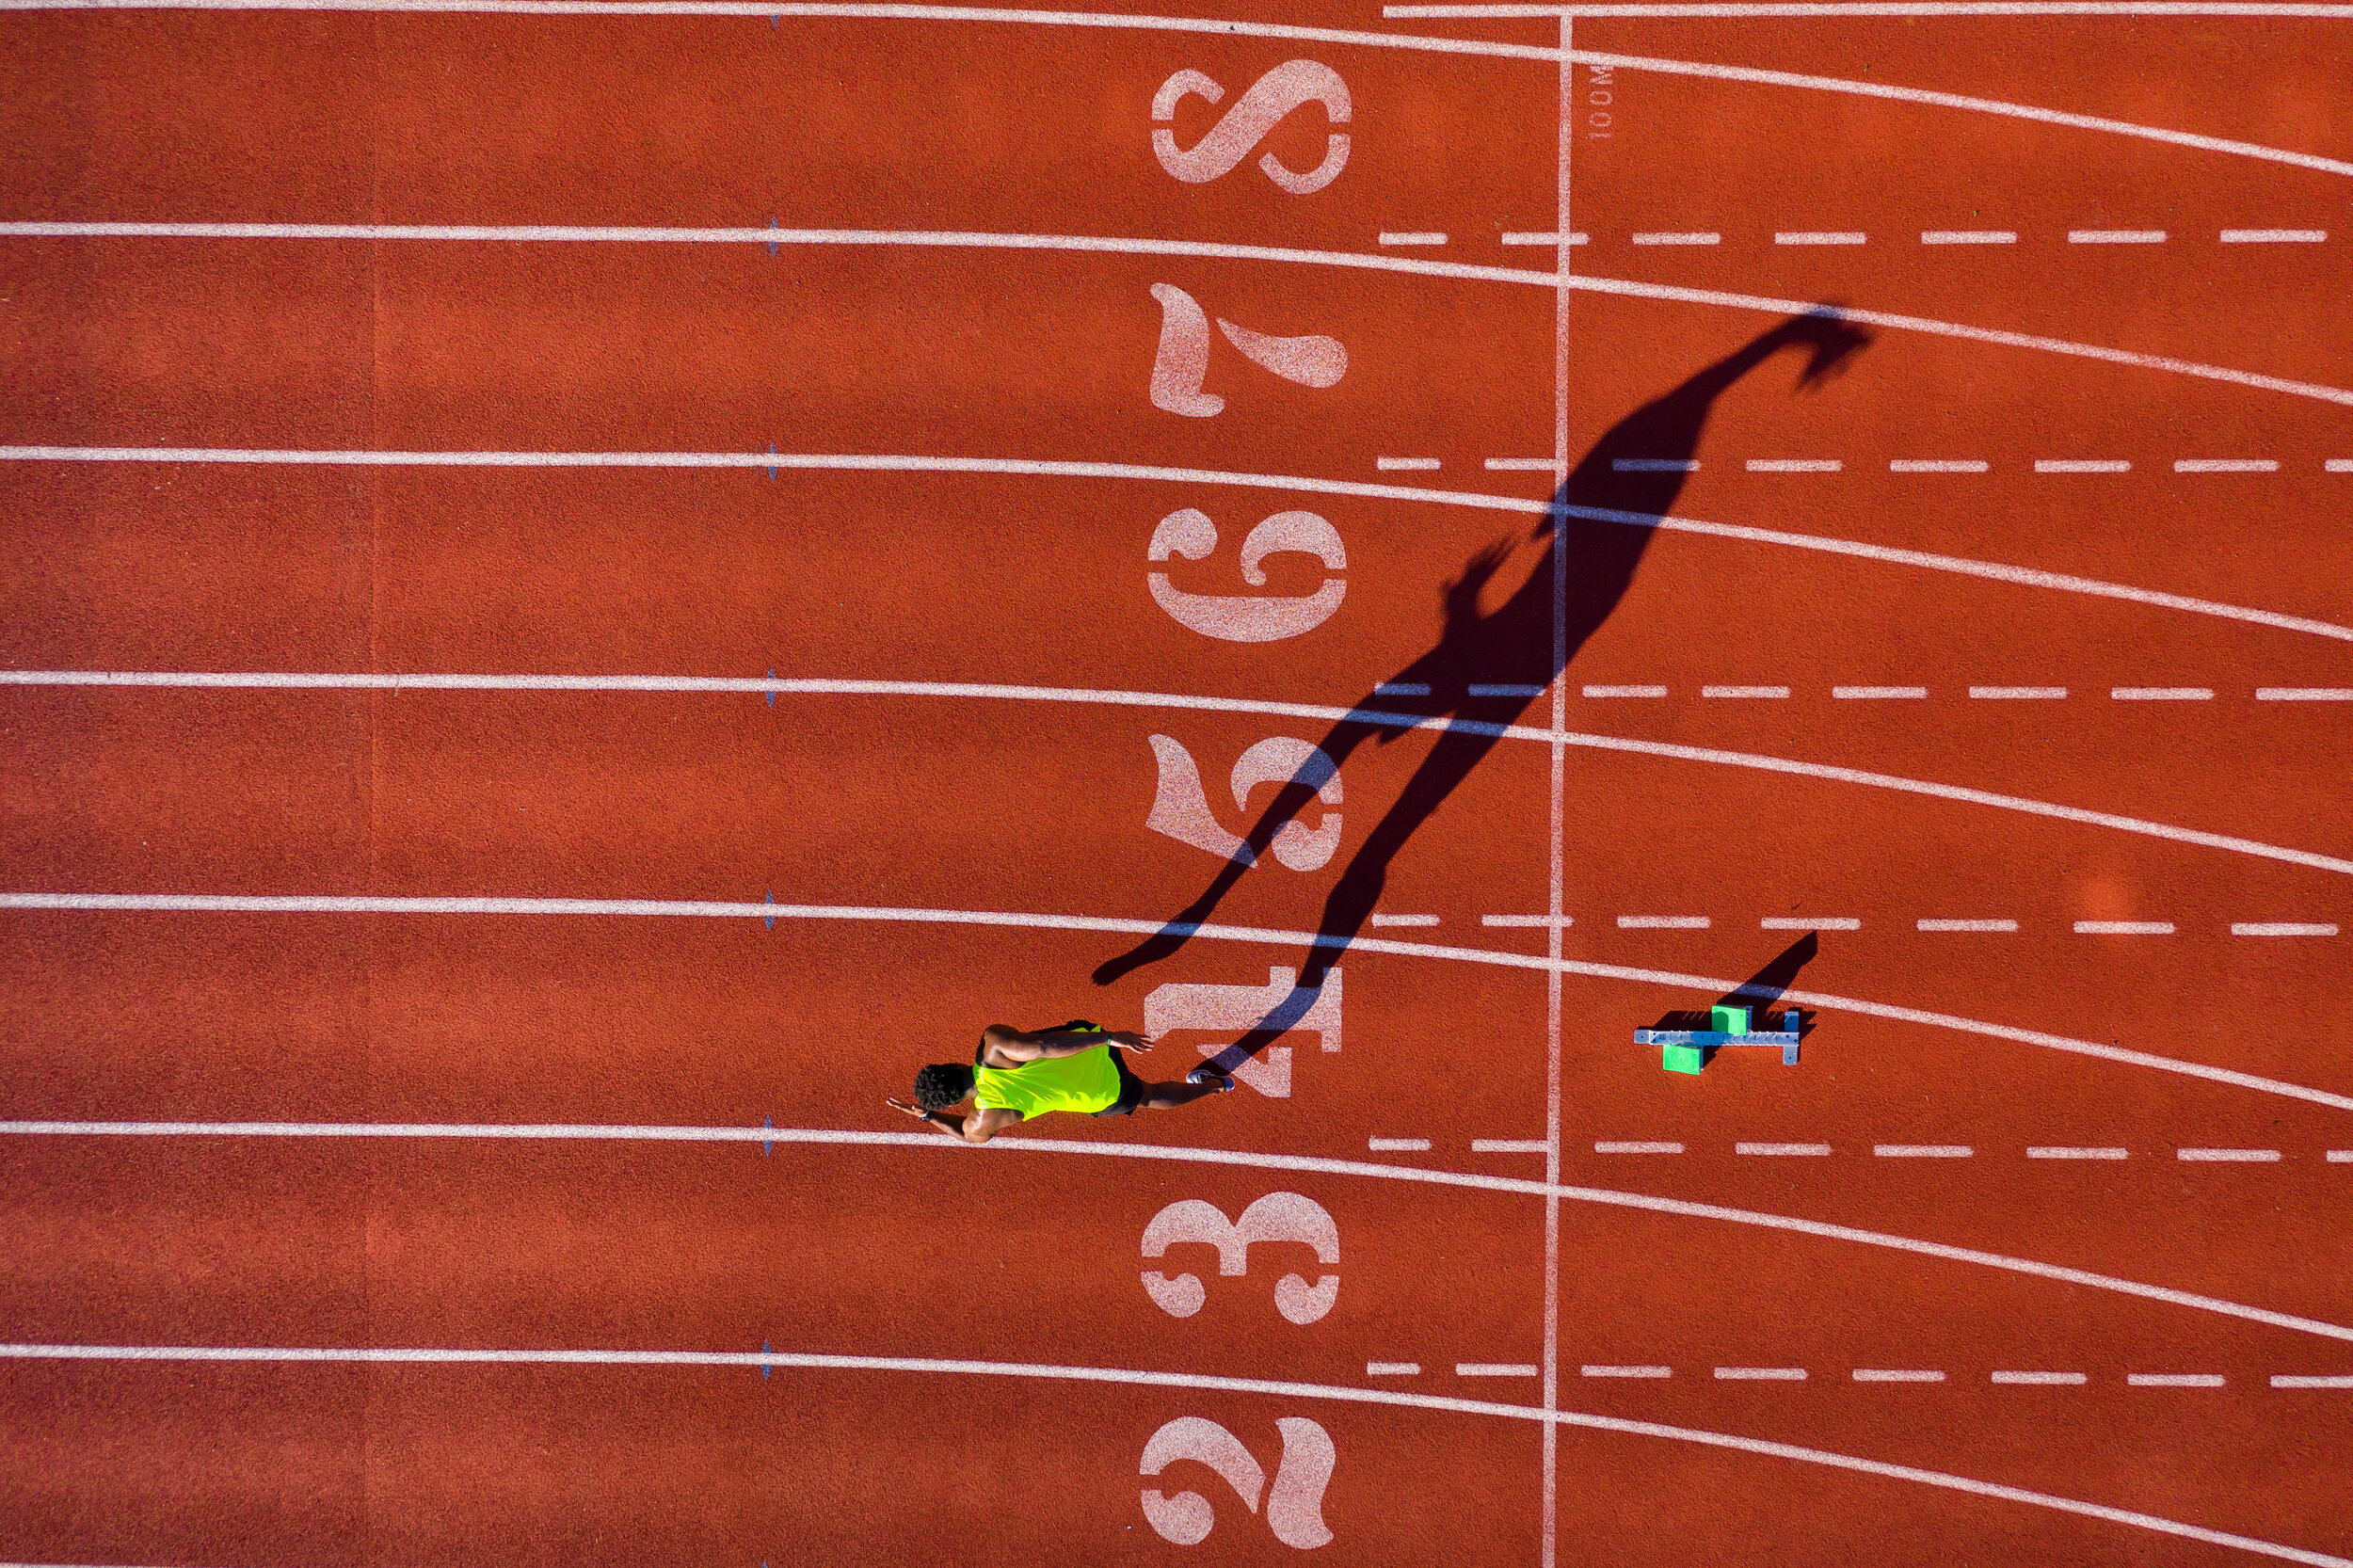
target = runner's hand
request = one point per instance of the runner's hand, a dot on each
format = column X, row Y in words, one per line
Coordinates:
column 1130, row 1038
column 897, row 1104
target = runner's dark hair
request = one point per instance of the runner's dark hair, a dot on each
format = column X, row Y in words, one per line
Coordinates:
column 941, row 1085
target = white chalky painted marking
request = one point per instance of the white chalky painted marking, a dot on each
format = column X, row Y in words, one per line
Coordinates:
column 1745, row 690
column 2174, row 1380
column 2064, row 1152
column 2259, row 1157
column 1519, row 465
column 2282, row 928
column 1871, row 694
column 2162, row 694
column 1397, row 1145
column 1922, row 1151
column 1678, row 239
column 1392, row 1368
column 1401, row 688
column 2123, row 928
column 1663, row 922
column 2082, row 465
column 1494, row 1369
column 1404, row 920
column 2116, row 236
column 1595, row 1371
column 2290, row 1382
column 1816, row 238
column 1654, row 465
column 1879, row 1375
column 1968, row 236
column 1539, row 922
column 1638, row 1148
column 2304, row 693
column 2018, row 694
column 1481, row 688
column 235, row 904
column 2341, row 1157
column 1624, row 691
column 1964, row 925
column 1881, row 7
column 1412, row 237
column 2274, row 236
column 2226, row 465
column 1815, row 1150
column 1397, row 465
column 1511, row 1145
column 1938, row 465
column 2338, row 465
column 1761, row 1374
column 1550, row 239
column 1826, row 923
column 2043, row 1380
column 1795, row 465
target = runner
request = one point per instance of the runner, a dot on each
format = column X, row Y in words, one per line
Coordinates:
column 1017, row 1077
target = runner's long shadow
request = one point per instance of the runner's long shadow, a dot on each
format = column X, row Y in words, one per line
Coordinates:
column 1636, row 471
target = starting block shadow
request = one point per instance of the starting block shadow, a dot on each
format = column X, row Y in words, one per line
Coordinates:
column 1688, row 1042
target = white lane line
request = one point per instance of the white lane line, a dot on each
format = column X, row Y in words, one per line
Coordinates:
column 1654, row 465
column 1663, row 922
column 1638, row 1148
column 2049, row 1151
column 1745, row 690
column 2274, row 236
column 1877, row 1374
column 1552, row 239
column 1795, row 465
column 2226, row 465
column 2123, row 928
column 1593, row 1372
column 1412, row 237
column 1519, row 465
column 1510, row 1146
column 1623, row 691
column 2259, row 1157
column 2312, row 1383
column 2017, row 694
column 1922, row 1151
column 1397, row 465
column 1873, row 693
column 2338, row 465
column 1818, row 237
column 1236, row 1157
column 1814, row 1150
column 1678, row 239
column 1761, row 1374
column 2341, row 1157
column 1842, row 8
column 1392, row 1368
column 901, row 463
column 2304, row 693
column 1401, row 688
column 1938, row 465
column 2043, row 1380
column 1494, row 1369
column 1964, row 925
column 1968, row 236
column 928, row 1367
column 2162, row 694
column 1404, row 920
column 2174, row 1380
column 2082, row 465
column 1826, row 923
column 2281, row 928
column 1036, row 922
column 1538, row 922
column 1397, row 1145
column 1481, row 688
column 2116, row 236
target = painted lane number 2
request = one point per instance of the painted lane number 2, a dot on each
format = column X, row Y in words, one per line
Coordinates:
column 1294, row 1506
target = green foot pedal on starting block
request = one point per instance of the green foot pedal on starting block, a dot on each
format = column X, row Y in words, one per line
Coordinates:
column 1684, row 1050
column 1681, row 1059
column 1728, row 1020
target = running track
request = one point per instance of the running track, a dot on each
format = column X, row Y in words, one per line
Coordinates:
column 581, row 598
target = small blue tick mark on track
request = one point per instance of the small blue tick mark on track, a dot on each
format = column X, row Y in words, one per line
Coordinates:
column 772, row 223
column 772, row 702
column 768, row 1146
column 771, row 448
column 763, row 1366
column 770, row 918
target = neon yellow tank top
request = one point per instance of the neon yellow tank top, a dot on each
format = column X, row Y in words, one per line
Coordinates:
column 1085, row 1084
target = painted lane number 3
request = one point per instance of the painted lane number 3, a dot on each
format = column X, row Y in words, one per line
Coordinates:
column 1277, row 1217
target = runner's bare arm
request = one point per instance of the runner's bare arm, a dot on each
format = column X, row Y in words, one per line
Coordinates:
column 1001, row 1043
column 978, row 1128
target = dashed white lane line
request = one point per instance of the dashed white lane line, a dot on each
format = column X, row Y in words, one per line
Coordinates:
column 2226, row 465
column 1652, row 465
column 2282, row 928
column 1761, row 1374
column 1506, row 688
column 2043, row 1380
column 1392, row 1368
column 1663, row 922
column 2017, row 694
column 1626, row 1371
column 1402, row 465
column 1624, row 691
column 1793, row 465
column 2162, row 694
column 1540, row 922
column 1847, row 236
column 1412, row 237
column 2060, row 1151
column 1638, row 1148
column 2174, row 1380
column 1494, row 1369
column 1922, row 1151
column 2116, row 236
column 1828, row 922
column 1877, row 694
column 2254, row 1157
column 1519, row 465
column 2341, row 1157
column 1677, row 238
column 2304, row 693
column 1745, row 690
column 1510, row 1146
column 1553, row 238
column 1401, row 688
column 1938, row 465
column 2123, row 928
column 1968, row 236
column 1810, row 1150
column 2274, row 236
column 2291, row 1382
column 1879, row 1374
column 1397, row 1145
column 2082, row 465
column 1404, row 920
column 1965, row 926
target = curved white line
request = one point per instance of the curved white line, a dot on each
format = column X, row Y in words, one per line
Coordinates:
column 1032, row 467
column 930, row 1367
column 1238, row 29
column 711, row 910
column 1764, row 8
column 1092, row 243
column 1307, row 1164
column 801, row 687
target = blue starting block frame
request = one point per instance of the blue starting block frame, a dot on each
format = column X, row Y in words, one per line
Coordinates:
column 1786, row 1037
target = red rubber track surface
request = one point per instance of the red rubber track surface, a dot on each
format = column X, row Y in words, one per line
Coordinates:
column 947, row 800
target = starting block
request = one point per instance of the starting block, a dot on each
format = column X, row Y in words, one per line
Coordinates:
column 1683, row 1050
